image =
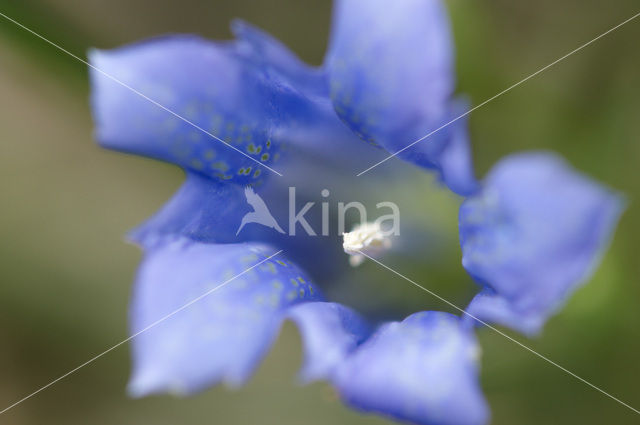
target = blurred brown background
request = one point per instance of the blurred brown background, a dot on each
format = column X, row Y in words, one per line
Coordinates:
column 65, row 272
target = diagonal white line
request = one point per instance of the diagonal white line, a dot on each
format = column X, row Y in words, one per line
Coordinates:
column 124, row 341
column 502, row 92
column 500, row 332
column 138, row 93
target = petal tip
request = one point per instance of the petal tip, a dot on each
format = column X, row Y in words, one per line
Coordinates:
column 145, row 383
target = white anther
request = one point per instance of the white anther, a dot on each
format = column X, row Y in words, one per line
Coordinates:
column 366, row 238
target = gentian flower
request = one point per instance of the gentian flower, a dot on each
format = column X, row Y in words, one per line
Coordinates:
column 530, row 232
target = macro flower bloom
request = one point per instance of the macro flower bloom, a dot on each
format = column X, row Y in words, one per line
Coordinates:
column 530, row 232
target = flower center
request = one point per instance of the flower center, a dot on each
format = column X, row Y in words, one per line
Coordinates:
column 366, row 239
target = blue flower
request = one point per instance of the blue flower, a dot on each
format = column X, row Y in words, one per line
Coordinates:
column 530, row 232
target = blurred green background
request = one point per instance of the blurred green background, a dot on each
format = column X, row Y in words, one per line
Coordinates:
column 64, row 205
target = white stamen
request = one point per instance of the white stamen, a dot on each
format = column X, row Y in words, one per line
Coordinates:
column 367, row 238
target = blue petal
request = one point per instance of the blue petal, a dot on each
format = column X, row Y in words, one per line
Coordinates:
column 209, row 211
column 252, row 93
column 491, row 307
column 330, row 332
column 202, row 210
column 533, row 234
column 449, row 153
column 308, row 123
column 209, row 84
column 393, row 85
column 274, row 57
column 220, row 337
column 423, row 370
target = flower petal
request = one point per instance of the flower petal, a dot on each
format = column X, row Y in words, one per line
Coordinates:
column 330, row 332
column 209, row 211
column 449, row 154
column 309, row 123
column 422, row 370
column 220, row 337
column 274, row 57
column 533, row 234
column 202, row 209
column 491, row 307
column 393, row 85
column 252, row 93
column 207, row 83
